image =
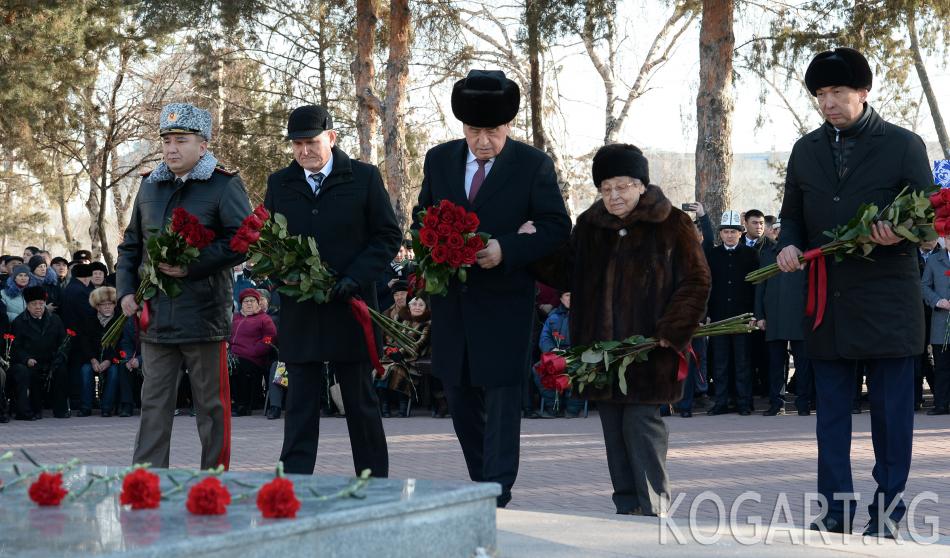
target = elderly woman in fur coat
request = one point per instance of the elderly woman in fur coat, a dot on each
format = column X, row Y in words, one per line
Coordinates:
column 634, row 266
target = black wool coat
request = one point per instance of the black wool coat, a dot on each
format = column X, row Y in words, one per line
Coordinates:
column 38, row 339
column 489, row 319
column 355, row 227
column 874, row 307
column 731, row 295
column 780, row 301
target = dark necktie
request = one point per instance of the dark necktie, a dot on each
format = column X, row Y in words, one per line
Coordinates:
column 317, row 182
column 477, row 180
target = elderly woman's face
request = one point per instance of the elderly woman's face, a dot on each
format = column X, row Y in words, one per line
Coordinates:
column 399, row 297
column 250, row 306
column 22, row 280
column 621, row 194
column 417, row 307
column 106, row 308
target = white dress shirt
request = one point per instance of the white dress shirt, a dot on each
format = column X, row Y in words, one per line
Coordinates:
column 325, row 171
column 471, row 167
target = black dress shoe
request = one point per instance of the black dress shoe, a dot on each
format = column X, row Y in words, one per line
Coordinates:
column 4, row 418
column 773, row 411
column 273, row 412
column 686, row 414
column 745, row 412
column 830, row 525
column 717, row 410
column 880, row 529
column 84, row 413
column 939, row 411
column 106, row 414
column 804, row 412
column 532, row 414
column 20, row 416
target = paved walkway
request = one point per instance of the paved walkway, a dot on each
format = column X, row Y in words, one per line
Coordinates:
column 563, row 464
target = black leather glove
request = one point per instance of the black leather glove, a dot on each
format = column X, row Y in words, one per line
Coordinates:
column 344, row 289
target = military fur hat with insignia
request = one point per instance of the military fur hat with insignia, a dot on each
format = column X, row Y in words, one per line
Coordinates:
column 182, row 118
column 485, row 99
column 730, row 220
column 841, row 66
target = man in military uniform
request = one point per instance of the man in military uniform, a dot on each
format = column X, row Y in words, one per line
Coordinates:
column 481, row 330
column 873, row 312
column 192, row 327
column 343, row 205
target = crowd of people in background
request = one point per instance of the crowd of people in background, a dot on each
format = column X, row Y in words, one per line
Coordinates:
column 43, row 297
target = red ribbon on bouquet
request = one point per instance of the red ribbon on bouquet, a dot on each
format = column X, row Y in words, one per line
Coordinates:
column 361, row 314
column 145, row 318
column 683, row 370
column 817, row 285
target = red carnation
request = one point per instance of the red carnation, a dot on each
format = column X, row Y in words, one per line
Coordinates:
column 208, row 497
column 430, row 220
column 276, row 499
column 428, row 237
column 471, row 222
column 455, row 258
column 267, row 340
column 455, row 241
column 262, row 213
column 123, row 354
column 140, row 489
column 439, row 254
column 70, row 332
column 47, row 490
column 115, row 361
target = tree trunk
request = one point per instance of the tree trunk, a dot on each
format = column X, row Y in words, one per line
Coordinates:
column 536, row 87
column 714, row 106
column 364, row 73
column 926, row 85
column 394, row 125
column 322, row 45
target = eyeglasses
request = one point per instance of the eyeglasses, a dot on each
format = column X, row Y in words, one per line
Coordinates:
column 606, row 191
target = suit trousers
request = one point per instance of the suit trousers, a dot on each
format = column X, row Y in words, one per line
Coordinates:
column 31, row 389
column 637, row 440
column 487, row 422
column 305, row 385
column 207, row 365
column 890, row 384
column 941, row 385
column 732, row 349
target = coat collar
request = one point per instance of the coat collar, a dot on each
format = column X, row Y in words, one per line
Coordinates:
column 653, row 207
column 202, row 170
column 342, row 172
column 866, row 142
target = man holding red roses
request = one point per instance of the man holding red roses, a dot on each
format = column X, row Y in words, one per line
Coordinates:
column 190, row 328
column 873, row 314
column 481, row 329
column 343, row 205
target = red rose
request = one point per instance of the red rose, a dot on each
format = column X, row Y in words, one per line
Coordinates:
column 140, row 489
column 460, row 214
column 180, row 218
column 115, row 361
column 471, row 222
column 943, row 211
column 468, row 256
column 47, row 490
column 430, row 220
column 434, row 210
column 254, row 222
column 239, row 245
column 551, row 365
column 70, row 332
column 439, row 254
column 444, row 229
column 562, row 382
column 208, row 497
column 455, row 241
column 262, row 213
column 947, row 273
column 942, row 226
column 276, row 499
column 475, row 243
column 447, row 215
column 268, row 340
column 123, row 354
column 251, row 236
column 945, row 195
column 455, row 258
column 428, row 237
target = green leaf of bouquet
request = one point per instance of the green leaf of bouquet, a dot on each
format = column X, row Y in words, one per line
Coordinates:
column 591, row 356
column 280, row 220
column 622, row 373
column 462, row 274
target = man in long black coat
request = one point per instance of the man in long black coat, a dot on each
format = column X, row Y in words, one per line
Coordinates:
column 481, row 330
column 343, row 205
column 873, row 310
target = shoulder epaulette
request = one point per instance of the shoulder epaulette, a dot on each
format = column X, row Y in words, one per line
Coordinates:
column 225, row 171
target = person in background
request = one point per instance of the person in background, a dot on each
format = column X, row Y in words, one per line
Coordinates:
column 401, row 375
column 251, row 342
column 60, row 267
column 924, row 365
column 29, row 252
column 11, row 262
column 82, row 256
column 39, row 276
column 697, row 380
column 556, row 335
column 242, row 281
column 99, row 273
column 130, row 369
column 36, row 359
column 935, row 285
column 12, row 294
column 98, row 360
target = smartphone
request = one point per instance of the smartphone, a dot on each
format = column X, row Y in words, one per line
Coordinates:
column 687, row 207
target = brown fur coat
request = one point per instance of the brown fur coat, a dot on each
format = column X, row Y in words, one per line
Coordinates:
column 651, row 280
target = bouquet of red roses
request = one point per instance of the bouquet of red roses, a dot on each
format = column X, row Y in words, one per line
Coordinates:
column 179, row 243
column 446, row 245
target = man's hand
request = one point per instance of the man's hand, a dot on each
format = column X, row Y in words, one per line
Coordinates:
column 881, row 233
column 666, row 344
column 527, row 228
column 344, row 289
column 943, row 304
column 698, row 208
column 546, row 308
column 173, row 270
column 129, row 307
column 31, row 362
column 760, row 324
column 490, row 256
column 787, row 259
column 132, row 363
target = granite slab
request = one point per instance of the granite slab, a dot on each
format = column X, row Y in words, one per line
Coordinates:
column 395, row 518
